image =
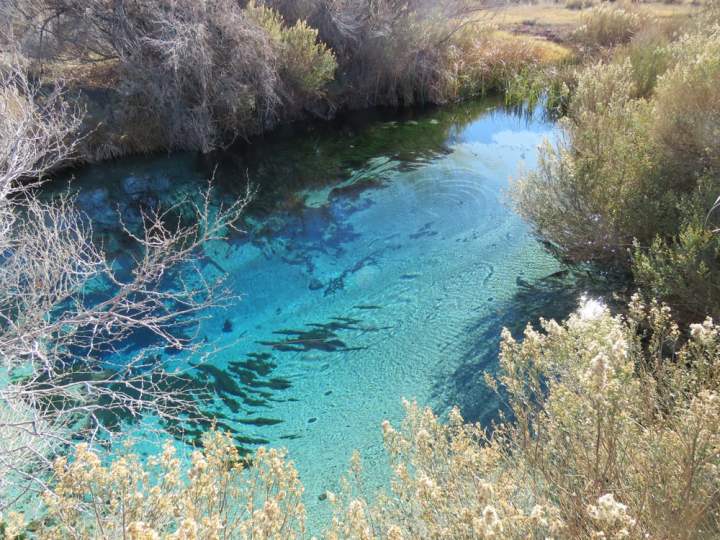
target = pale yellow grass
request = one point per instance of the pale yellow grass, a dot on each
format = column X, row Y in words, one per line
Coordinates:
column 546, row 51
column 559, row 16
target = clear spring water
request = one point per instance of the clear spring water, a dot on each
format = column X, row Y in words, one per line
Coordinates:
column 380, row 261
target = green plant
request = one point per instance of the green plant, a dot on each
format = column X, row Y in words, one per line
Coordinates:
column 495, row 61
column 601, row 174
column 306, row 65
column 640, row 137
column 687, row 108
column 649, row 57
column 683, row 270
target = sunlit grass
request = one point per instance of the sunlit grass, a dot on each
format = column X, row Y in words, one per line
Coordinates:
column 559, row 15
column 546, row 51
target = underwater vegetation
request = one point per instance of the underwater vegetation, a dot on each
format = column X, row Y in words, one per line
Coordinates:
column 323, row 337
column 227, row 398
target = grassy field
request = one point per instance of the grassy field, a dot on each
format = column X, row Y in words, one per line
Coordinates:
column 556, row 21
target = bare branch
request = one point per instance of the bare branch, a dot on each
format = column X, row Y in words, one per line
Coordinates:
column 66, row 312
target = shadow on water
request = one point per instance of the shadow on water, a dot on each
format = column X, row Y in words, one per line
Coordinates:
column 323, row 337
column 230, row 399
column 348, row 155
column 241, row 393
column 552, row 297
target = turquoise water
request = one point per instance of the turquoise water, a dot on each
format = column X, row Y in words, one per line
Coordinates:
column 379, row 261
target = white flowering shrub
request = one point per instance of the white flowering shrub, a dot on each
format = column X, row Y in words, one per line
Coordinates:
column 220, row 495
column 447, row 481
column 615, row 434
column 620, row 420
column 610, row 516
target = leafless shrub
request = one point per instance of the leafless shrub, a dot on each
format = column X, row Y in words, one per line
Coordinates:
column 192, row 74
column 195, row 75
column 63, row 304
column 35, row 131
column 390, row 51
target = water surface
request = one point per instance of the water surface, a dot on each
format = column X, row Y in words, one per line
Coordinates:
column 379, row 261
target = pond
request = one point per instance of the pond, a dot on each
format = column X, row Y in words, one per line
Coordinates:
column 379, row 260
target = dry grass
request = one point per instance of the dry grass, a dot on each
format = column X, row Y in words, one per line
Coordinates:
column 546, row 51
column 544, row 14
column 557, row 21
column 558, row 14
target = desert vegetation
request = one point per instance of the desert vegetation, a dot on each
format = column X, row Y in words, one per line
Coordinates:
column 610, row 426
column 195, row 74
column 612, row 436
column 632, row 182
column 199, row 76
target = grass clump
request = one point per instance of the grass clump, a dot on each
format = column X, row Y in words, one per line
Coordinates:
column 490, row 61
column 606, row 26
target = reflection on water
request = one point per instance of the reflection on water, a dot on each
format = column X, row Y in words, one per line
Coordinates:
column 379, row 261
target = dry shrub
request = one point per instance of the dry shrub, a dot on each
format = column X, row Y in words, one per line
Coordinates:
column 631, row 180
column 389, row 51
column 217, row 495
column 601, row 174
column 487, row 60
column 213, row 73
column 579, row 4
column 195, row 75
column 56, row 382
column 192, row 74
column 448, row 481
column 607, row 26
column 687, row 105
column 613, row 437
column 682, row 267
